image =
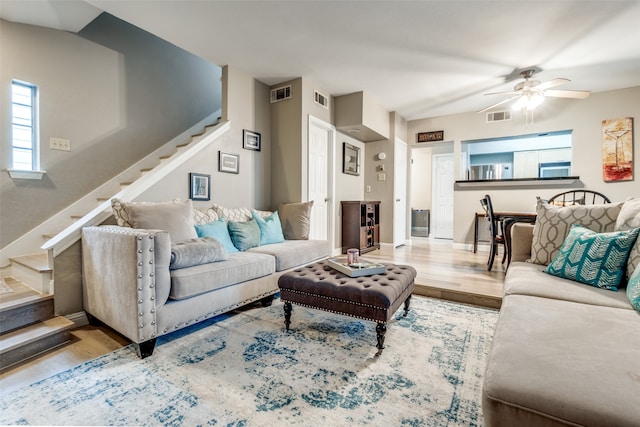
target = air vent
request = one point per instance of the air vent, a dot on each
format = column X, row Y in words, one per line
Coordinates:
column 280, row 93
column 498, row 116
column 321, row 99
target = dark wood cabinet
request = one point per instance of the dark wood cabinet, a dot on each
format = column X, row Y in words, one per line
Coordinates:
column 360, row 225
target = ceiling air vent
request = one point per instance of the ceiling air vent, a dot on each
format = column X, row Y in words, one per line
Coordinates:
column 321, row 99
column 280, row 93
column 498, row 116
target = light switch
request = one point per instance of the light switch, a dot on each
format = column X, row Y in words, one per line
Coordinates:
column 60, row 144
column 368, row 189
column 382, row 176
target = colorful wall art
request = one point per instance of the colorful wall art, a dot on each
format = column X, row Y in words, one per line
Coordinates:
column 617, row 149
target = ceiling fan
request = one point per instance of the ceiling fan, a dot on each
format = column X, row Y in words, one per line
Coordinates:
column 530, row 93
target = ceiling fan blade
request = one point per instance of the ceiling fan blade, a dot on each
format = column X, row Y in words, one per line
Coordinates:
column 504, row 101
column 551, row 83
column 510, row 92
column 575, row 94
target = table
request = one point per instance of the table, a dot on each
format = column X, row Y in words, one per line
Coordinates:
column 501, row 217
column 375, row 298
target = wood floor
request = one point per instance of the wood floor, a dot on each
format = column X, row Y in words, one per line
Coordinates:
column 443, row 272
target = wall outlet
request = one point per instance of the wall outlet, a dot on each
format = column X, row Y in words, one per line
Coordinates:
column 368, row 189
column 59, row 144
column 382, row 176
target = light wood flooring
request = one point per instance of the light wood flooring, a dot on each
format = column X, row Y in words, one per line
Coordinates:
column 443, row 272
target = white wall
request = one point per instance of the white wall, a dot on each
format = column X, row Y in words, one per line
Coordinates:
column 348, row 187
column 584, row 117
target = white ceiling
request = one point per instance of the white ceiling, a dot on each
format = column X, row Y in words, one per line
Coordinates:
column 419, row 58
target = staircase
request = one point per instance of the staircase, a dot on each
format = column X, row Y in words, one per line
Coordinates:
column 28, row 325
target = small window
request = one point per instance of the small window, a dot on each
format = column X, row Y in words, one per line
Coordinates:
column 24, row 126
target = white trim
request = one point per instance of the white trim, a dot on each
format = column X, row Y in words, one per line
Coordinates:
column 25, row 174
column 79, row 319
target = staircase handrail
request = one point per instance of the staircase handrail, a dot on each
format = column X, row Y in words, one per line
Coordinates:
column 63, row 240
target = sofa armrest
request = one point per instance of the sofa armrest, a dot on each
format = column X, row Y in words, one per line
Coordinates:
column 125, row 277
column 521, row 239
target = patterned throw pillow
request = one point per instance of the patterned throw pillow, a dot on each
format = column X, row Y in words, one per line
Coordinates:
column 633, row 289
column 596, row 259
column 270, row 228
column 553, row 223
column 204, row 216
column 629, row 218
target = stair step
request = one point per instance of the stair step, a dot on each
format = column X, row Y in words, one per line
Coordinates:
column 76, row 217
column 23, row 306
column 30, row 341
column 37, row 262
column 102, row 199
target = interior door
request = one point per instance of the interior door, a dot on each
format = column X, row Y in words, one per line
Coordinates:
column 443, row 180
column 400, row 193
column 320, row 170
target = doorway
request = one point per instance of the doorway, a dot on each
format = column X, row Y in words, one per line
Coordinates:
column 400, row 193
column 442, row 196
column 320, row 179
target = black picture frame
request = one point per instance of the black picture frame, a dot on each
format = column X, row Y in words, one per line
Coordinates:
column 199, row 186
column 251, row 140
column 228, row 163
column 350, row 159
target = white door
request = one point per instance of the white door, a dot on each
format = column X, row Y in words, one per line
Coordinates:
column 400, row 193
column 320, row 171
column 442, row 215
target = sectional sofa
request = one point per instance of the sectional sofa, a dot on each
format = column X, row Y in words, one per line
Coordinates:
column 567, row 353
column 166, row 265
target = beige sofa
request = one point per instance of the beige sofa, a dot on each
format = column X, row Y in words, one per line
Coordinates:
column 129, row 286
column 564, row 353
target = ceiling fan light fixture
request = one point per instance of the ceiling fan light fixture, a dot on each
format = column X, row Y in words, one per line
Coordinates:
column 528, row 101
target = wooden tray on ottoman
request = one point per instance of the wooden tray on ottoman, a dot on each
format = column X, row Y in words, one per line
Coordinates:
column 362, row 268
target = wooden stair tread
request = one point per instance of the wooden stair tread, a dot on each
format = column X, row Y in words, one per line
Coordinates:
column 29, row 334
column 37, row 262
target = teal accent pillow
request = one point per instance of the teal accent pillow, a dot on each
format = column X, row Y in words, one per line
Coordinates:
column 244, row 235
column 219, row 231
column 596, row 259
column 633, row 289
column 270, row 228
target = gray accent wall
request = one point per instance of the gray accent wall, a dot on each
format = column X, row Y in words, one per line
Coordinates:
column 116, row 92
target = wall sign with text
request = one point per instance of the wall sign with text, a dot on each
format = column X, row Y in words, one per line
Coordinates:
column 437, row 135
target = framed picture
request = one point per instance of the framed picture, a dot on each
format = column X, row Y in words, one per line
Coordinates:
column 229, row 163
column 437, row 135
column 350, row 159
column 199, row 186
column 617, row 149
column 251, row 140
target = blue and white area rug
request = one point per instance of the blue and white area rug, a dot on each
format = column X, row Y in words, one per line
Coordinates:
column 244, row 369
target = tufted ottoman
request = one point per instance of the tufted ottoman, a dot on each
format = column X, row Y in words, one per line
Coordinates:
column 374, row 298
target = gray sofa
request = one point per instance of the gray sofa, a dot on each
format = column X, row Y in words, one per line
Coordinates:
column 128, row 285
column 564, row 353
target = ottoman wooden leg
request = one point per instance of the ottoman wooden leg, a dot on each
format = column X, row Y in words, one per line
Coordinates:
column 287, row 314
column 381, row 330
column 406, row 305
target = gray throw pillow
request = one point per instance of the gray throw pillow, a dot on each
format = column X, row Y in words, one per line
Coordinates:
column 174, row 217
column 198, row 251
column 294, row 218
column 628, row 219
column 244, row 235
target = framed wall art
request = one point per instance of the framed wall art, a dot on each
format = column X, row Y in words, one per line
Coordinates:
column 199, row 186
column 229, row 163
column 350, row 159
column 251, row 140
column 617, row 149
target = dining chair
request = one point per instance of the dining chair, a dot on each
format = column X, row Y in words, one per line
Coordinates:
column 495, row 231
column 578, row 197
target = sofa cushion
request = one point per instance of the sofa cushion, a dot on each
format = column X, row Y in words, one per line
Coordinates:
column 295, row 220
column 293, row 253
column 204, row 216
column 176, row 217
column 525, row 278
column 237, row 214
column 633, row 289
column 629, row 218
column 597, row 259
column 561, row 363
column 238, row 267
column 195, row 252
column 219, row 231
column 553, row 222
column 270, row 228
column 245, row 234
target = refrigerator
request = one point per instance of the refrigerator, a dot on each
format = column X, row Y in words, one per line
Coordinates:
column 495, row 171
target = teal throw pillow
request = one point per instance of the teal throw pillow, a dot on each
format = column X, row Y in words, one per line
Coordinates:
column 219, row 231
column 633, row 289
column 596, row 259
column 270, row 228
column 244, row 235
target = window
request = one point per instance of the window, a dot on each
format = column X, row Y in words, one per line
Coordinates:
column 24, row 112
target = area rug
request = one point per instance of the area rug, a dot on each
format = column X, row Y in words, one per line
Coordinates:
column 245, row 369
